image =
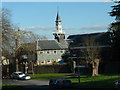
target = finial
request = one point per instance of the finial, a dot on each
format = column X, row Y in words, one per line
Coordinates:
column 57, row 9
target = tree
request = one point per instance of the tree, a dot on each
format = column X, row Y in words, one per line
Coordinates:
column 91, row 52
column 13, row 37
column 23, row 39
column 66, row 59
column 115, row 31
column 6, row 28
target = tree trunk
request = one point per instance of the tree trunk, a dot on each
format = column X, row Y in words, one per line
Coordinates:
column 33, row 68
column 17, row 68
column 26, row 68
column 95, row 65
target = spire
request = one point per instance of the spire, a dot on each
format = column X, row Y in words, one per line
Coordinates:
column 59, row 34
column 58, row 17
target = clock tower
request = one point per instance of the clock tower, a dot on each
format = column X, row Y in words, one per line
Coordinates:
column 59, row 33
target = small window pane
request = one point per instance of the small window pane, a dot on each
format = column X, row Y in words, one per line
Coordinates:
column 55, row 52
column 61, row 51
column 41, row 52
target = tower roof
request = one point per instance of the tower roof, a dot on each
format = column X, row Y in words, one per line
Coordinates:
column 58, row 17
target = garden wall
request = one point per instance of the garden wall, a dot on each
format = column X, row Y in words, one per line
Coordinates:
column 52, row 69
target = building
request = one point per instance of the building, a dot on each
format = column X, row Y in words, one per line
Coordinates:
column 48, row 52
column 77, row 45
column 4, row 61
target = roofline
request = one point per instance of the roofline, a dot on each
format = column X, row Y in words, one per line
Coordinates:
column 81, row 47
column 87, row 33
column 50, row 49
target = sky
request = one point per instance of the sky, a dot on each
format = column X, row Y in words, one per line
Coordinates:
column 77, row 17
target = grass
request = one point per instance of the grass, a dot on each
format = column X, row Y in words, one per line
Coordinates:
column 48, row 76
column 6, row 84
column 101, row 81
column 86, row 81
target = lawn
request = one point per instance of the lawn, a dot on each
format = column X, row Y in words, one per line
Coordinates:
column 101, row 81
column 6, row 84
column 86, row 81
column 48, row 76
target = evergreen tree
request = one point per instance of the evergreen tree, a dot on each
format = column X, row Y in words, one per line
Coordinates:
column 115, row 31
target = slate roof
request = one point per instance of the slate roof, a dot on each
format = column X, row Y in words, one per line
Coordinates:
column 101, row 38
column 51, row 45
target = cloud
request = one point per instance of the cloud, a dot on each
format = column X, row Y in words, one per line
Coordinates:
column 95, row 27
column 38, row 28
column 43, row 28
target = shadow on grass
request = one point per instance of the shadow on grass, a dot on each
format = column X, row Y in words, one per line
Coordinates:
column 37, row 87
column 26, row 87
column 103, row 84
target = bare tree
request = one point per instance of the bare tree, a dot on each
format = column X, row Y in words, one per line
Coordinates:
column 13, row 37
column 23, row 39
column 92, row 54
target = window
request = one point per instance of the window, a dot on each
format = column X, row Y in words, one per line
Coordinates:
column 55, row 51
column 41, row 52
column 48, row 52
column 61, row 51
column 42, row 62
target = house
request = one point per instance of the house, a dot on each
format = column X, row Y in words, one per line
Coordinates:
column 4, row 61
column 49, row 52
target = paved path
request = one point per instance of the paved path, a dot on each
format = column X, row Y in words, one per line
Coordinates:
column 26, row 82
column 32, row 84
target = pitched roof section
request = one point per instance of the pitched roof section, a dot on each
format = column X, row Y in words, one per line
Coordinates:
column 64, row 44
column 50, row 45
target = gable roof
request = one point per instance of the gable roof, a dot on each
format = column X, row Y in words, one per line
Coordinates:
column 50, row 45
